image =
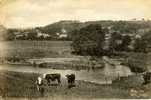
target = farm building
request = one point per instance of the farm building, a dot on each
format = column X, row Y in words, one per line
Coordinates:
column 63, row 36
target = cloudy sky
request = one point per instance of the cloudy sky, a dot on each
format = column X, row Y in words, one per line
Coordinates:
column 31, row 13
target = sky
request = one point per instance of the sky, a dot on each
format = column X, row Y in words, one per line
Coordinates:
column 31, row 13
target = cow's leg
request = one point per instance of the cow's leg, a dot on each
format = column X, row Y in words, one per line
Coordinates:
column 48, row 81
column 59, row 81
column 41, row 90
column 69, row 83
column 38, row 87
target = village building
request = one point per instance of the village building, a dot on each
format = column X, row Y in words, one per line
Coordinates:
column 63, row 36
column 40, row 34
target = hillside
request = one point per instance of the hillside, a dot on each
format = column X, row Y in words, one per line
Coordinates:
column 61, row 27
column 69, row 25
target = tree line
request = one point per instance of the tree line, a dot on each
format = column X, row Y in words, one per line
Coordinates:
column 91, row 40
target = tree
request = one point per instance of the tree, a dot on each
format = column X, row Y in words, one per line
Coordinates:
column 126, row 40
column 115, row 42
column 125, row 27
column 32, row 35
column 137, row 62
column 88, row 40
column 140, row 45
column 9, row 35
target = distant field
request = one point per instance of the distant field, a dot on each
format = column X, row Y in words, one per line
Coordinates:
column 35, row 48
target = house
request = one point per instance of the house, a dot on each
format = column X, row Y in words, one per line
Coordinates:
column 39, row 34
column 138, row 36
column 18, row 35
column 63, row 36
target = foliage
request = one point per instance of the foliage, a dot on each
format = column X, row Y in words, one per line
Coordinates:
column 137, row 62
column 140, row 45
column 126, row 40
column 89, row 40
column 115, row 40
column 125, row 27
column 119, row 42
column 9, row 35
column 32, row 34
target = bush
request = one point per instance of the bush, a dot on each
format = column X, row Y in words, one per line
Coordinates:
column 137, row 62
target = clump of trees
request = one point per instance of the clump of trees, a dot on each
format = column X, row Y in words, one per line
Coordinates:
column 119, row 42
column 88, row 40
column 126, row 27
column 137, row 62
column 140, row 45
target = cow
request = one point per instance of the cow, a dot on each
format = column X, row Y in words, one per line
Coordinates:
column 52, row 77
column 147, row 77
column 71, row 80
column 40, row 85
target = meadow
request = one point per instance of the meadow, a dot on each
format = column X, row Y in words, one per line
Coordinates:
column 34, row 49
column 22, row 85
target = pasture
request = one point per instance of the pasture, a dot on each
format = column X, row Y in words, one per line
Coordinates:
column 22, row 85
column 34, row 49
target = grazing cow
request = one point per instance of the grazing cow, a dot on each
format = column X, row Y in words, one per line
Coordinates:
column 147, row 77
column 71, row 80
column 52, row 77
column 40, row 85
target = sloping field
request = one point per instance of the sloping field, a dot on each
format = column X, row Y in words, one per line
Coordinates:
column 35, row 48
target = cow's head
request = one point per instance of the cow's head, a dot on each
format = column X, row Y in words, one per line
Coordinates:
column 67, row 75
column 44, row 75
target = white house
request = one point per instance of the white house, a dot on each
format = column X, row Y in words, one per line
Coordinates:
column 63, row 35
column 39, row 34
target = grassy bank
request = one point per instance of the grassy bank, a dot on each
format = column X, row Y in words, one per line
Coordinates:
column 22, row 85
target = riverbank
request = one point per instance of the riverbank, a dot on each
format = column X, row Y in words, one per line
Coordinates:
column 22, row 85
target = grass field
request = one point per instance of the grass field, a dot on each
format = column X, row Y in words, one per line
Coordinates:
column 35, row 48
column 13, row 84
column 22, row 85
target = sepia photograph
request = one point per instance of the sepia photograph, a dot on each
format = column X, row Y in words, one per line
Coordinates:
column 75, row 49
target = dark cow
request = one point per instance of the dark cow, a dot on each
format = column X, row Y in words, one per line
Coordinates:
column 147, row 77
column 53, row 77
column 71, row 80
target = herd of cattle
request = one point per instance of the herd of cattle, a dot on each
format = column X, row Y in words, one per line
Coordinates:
column 46, row 79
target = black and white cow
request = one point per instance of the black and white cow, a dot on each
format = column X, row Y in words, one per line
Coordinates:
column 40, row 85
column 71, row 80
column 52, row 77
